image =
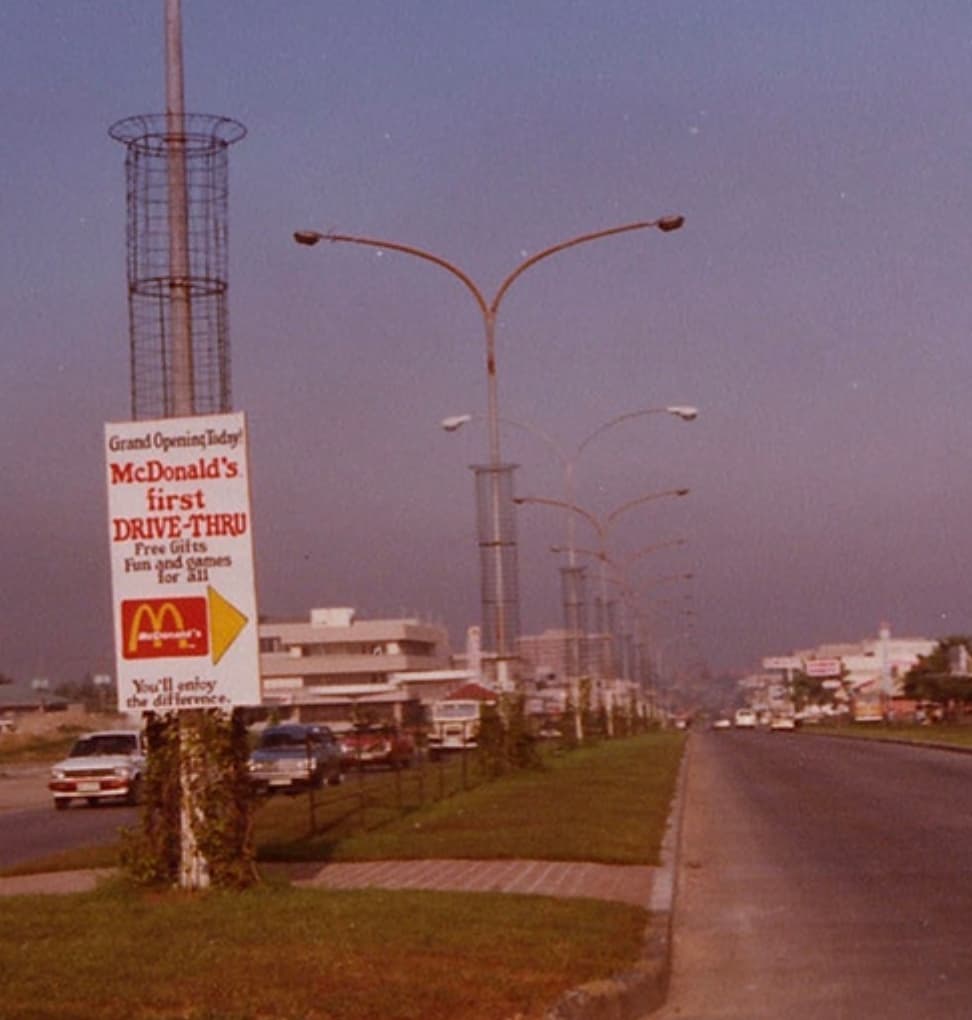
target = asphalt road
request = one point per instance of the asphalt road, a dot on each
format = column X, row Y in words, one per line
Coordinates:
column 821, row 877
column 31, row 828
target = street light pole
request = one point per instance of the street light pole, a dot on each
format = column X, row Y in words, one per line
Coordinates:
column 504, row 588
column 601, row 526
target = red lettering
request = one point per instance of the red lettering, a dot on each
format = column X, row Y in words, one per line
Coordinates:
column 121, row 474
column 129, row 529
column 217, row 525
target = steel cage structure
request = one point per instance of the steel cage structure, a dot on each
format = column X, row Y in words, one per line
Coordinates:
column 201, row 146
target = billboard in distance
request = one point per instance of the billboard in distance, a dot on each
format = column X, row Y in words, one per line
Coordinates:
column 180, row 534
column 823, row 667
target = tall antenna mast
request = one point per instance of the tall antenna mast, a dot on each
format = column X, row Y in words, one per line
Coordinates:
column 183, row 390
column 177, row 171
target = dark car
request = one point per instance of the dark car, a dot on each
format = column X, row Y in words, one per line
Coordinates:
column 377, row 745
column 295, row 756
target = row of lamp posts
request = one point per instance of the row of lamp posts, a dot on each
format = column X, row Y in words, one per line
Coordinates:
column 495, row 501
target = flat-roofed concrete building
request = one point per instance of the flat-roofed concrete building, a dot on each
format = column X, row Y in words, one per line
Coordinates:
column 331, row 664
column 544, row 656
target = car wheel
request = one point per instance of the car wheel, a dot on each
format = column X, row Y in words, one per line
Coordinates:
column 336, row 779
column 134, row 792
column 61, row 803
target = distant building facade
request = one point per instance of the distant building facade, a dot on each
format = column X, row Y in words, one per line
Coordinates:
column 866, row 675
column 543, row 657
column 333, row 666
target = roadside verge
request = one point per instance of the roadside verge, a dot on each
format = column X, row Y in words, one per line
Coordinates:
column 644, row 988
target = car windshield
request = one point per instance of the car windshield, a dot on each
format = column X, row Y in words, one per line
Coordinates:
column 287, row 738
column 105, row 743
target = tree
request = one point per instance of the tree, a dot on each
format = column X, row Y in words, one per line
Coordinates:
column 942, row 676
column 810, row 690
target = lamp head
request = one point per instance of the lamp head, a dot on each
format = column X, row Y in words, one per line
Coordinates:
column 682, row 492
column 308, row 237
column 684, row 411
column 455, row 422
column 667, row 224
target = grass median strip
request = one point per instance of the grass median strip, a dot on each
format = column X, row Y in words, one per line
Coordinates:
column 290, row 953
column 608, row 803
column 278, row 952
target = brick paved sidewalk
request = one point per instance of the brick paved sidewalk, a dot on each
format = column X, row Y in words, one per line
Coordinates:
column 619, row 883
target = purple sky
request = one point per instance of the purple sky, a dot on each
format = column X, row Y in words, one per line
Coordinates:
column 815, row 306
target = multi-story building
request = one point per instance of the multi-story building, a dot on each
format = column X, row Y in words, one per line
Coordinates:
column 868, row 675
column 331, row 665
column 543, row 656
column 879, row 664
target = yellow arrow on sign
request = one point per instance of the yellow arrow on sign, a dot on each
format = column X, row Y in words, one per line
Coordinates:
column 225, row 623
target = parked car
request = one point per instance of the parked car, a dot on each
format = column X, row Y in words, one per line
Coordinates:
column 295, row 756
column 104, row 766
column 377, row 745
column 782, row 722
column 722, row 723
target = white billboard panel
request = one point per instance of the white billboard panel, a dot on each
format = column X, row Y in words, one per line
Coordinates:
column 822, row 667
column 180, row 534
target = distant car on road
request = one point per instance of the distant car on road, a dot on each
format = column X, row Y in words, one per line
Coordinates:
column 377, row 745
column 104, row 766
column 782, row 723
column 295, row 756
column 722, row 723
column 745, row 719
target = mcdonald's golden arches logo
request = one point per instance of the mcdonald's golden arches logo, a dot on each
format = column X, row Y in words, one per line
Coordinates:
column 164, row 628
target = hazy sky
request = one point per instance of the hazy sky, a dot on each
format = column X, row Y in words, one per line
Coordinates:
column 815, row 306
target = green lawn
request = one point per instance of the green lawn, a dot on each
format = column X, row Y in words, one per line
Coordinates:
column 289, row 954
column 281, row 953
column 607, row 803
column 939, row 733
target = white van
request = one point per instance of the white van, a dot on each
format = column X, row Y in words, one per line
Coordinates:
column 745, row 719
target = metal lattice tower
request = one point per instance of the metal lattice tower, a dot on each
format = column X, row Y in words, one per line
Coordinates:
column 573, row 586
column 498, row 558
column 199, row 143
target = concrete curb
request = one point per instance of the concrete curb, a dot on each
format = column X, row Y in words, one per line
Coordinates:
column 54, row 882
column 644, row 988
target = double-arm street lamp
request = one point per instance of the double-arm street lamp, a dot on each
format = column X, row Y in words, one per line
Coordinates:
column 602, row 526
column 497, row 545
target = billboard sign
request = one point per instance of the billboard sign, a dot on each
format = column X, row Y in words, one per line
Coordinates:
column 183, row 594
column 822, row 667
